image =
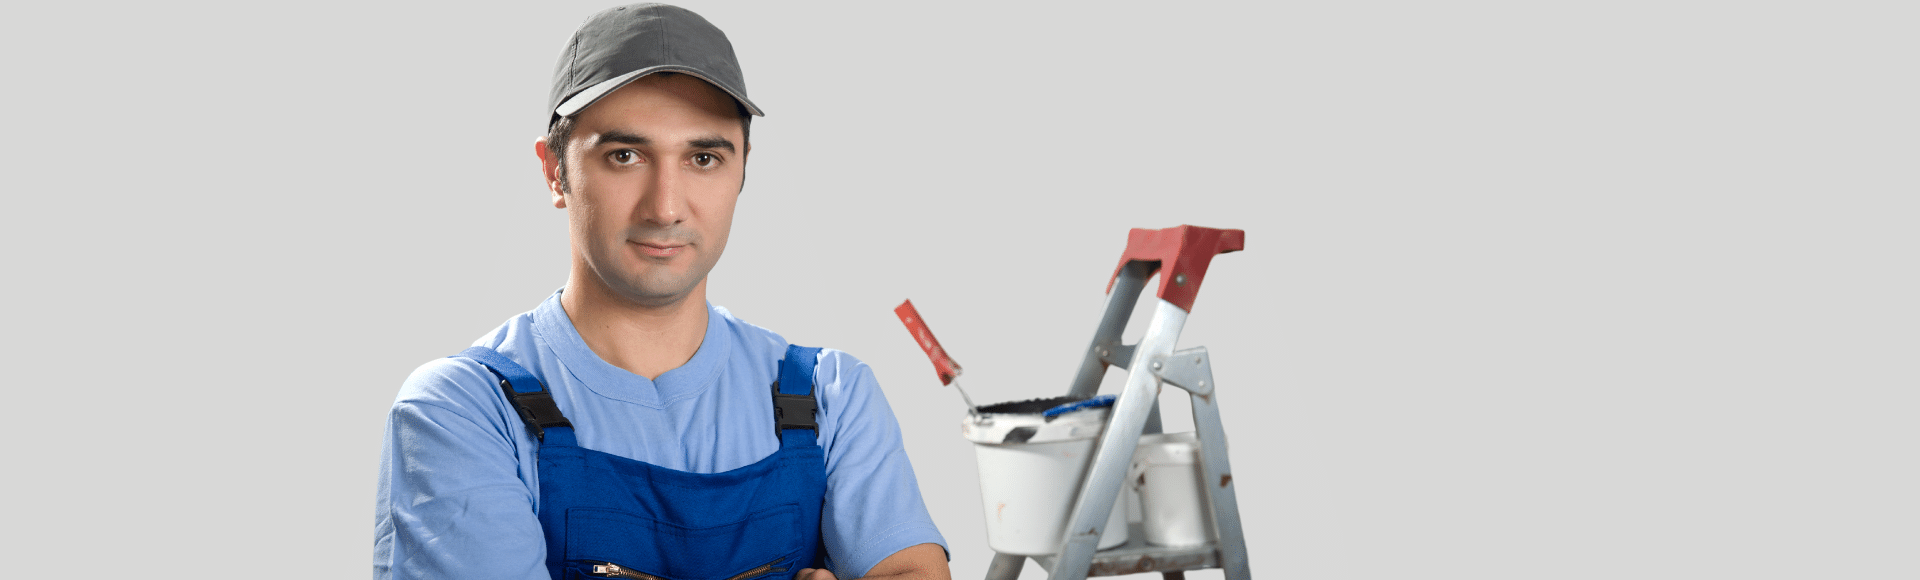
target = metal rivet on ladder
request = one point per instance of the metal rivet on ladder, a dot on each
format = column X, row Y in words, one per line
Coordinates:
column 1180, row 279
column 1156, row 365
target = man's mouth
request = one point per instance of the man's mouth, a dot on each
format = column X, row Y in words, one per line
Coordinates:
column 660, row 249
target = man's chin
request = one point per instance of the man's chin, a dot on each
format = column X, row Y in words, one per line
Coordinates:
column 658, row 293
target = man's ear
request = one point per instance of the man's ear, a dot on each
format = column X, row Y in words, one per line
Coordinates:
column 550, row 171
column 746, row 149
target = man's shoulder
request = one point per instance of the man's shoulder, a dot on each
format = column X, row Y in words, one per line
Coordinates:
column 758, row 342
column 461, row 382
column 754, row 337
column 455, row 388
column 436, row 377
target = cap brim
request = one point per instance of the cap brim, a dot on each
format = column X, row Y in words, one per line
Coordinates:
column 579, row 101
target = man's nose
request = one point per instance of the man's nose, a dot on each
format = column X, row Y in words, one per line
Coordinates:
column 664, row 201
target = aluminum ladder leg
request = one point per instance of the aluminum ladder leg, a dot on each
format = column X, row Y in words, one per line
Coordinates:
column 1181, row 256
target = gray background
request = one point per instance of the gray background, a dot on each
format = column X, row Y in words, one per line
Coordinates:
column 1619, row 289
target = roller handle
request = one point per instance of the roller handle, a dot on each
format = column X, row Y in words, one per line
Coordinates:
column 1181, row 254
column 942, row 363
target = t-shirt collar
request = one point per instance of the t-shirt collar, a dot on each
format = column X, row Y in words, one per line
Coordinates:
column 556, row 332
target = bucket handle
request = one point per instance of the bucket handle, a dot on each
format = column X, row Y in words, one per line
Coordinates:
column 1137, row 467
column 1136, row 473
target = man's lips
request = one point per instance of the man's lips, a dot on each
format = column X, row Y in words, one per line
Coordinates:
column 660, row 249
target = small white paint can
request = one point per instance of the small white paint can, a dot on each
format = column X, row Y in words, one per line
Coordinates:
column 1166, row 473
column 1031, row 469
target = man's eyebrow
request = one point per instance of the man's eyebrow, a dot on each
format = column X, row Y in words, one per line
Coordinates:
column 618, row 136
column 714, row 142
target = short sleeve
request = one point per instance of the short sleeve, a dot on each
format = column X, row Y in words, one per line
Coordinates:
column 452, row 499
column 873, row 506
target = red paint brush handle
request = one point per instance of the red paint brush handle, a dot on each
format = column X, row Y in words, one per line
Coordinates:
column 916, row 326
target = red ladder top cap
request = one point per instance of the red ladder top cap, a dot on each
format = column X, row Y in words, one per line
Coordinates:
column 1182, row 254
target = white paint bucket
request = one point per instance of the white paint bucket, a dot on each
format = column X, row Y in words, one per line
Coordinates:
column 1166, row 472
column 1031, row 469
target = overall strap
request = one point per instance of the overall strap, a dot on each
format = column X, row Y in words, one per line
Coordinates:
column 794, row 407
column 528, row 395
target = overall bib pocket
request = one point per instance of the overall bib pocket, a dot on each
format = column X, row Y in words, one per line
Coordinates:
column 604, row 543
column 612, row 570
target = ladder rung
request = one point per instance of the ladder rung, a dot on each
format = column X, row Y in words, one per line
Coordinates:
column 1137, row 556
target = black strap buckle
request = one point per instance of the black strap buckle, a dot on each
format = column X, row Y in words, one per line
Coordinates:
column 794, row 411
column 536, row 409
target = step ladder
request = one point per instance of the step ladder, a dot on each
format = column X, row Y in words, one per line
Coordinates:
column 1180, row 255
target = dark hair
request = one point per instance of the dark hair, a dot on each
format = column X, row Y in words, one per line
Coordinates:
column 561, row 131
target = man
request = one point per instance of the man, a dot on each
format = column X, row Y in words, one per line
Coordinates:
column 626, row 428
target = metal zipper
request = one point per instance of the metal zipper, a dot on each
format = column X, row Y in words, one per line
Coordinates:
column 763, row 569
column 612, row 570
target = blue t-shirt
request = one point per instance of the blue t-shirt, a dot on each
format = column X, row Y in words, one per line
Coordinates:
column 458, row 481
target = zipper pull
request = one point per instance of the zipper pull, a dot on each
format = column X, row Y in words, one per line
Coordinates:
column 612, row 570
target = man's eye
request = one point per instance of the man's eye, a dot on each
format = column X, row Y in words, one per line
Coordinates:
column 624, row 157
column 705, row 160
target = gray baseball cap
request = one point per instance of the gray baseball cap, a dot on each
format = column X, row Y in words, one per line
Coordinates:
column 628, row 42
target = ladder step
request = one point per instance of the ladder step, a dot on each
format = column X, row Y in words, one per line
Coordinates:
column 1137, row 556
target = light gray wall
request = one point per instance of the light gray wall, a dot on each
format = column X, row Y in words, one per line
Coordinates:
column 1530, row 291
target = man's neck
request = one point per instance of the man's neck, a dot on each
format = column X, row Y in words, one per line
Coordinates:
column 645, row 340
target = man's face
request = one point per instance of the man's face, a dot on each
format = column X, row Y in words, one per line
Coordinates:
column 654, row 170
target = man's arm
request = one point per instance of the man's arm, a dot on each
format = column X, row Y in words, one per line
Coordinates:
column 922, row 562
column 874, row 517
column 452, row 502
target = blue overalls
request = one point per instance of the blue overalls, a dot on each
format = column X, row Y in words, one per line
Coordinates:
column 606, row 516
